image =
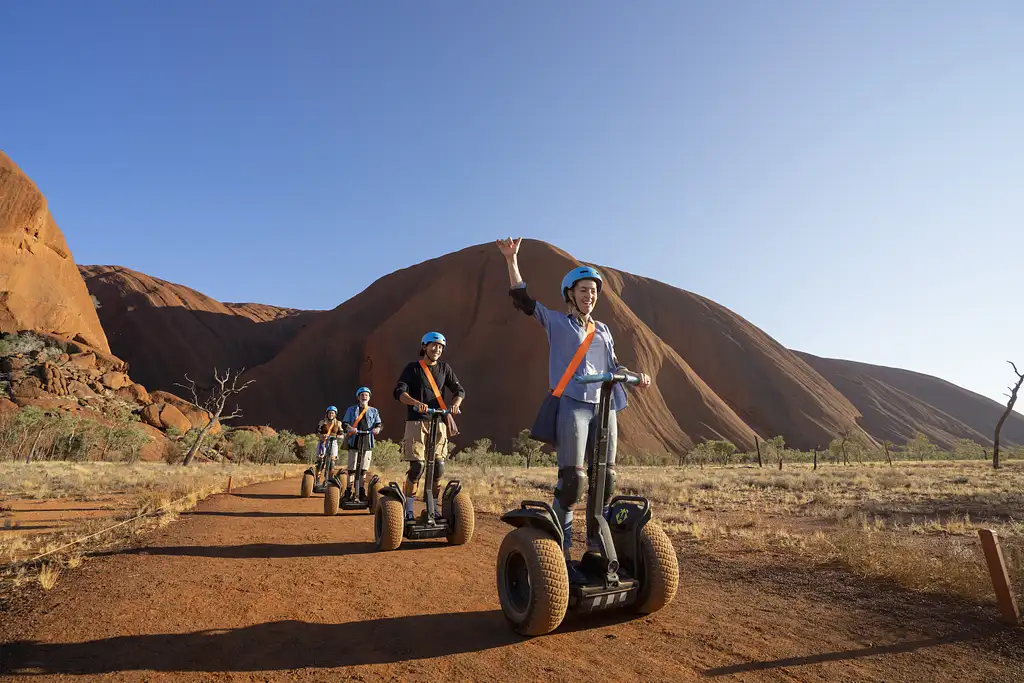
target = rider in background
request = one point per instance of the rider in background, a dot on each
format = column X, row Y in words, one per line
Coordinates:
column 365, row 417
column 414, row 390
column 328, row 430
column 578, row 417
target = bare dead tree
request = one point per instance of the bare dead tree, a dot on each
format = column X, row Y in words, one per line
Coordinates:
column 845, row 434
column 888, row 457
column 225, row 386
column 1006, row 413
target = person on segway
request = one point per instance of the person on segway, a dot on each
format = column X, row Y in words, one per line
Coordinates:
column 328, row 429
column 577, row 419
column 421, row 387
column 361, row 423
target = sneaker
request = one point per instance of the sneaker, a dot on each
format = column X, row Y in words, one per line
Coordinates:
column 348, row 495
column 576, row 574
column 409, row 516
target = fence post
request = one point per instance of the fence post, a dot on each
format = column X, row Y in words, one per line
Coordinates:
column 229, row 483
column 1000, row 578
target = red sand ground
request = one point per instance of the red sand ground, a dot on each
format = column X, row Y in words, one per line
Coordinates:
column 258, row 585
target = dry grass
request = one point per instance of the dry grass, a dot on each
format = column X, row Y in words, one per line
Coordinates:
column 137, row 489
column 914, row 524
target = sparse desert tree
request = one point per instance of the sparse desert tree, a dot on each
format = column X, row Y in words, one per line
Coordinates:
column 722, row 450
column 966, row 449
column 778, row 444
column 527, row 447
column 225, row 386
column 921, row 448
column 1012, row 399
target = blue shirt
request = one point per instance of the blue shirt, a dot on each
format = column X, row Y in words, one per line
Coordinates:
column 565, row 335
column 369, row 421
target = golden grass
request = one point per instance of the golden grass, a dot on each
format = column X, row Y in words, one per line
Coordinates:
column 48, row 575
column 138, row 489
column 914, row 524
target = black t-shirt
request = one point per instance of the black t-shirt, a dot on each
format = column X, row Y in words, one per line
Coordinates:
column 416, row 385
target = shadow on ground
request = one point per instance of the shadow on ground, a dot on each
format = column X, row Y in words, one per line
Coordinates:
column 274, row 646
column 253, row 550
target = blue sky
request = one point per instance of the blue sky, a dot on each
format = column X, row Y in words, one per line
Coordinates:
column 846, row 175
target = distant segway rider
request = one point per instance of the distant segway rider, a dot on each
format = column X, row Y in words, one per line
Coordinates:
column 327, row 449
column 414, row 389
column 365, row 417
column 577, row 421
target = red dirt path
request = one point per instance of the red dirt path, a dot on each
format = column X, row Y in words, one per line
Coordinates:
column 259, row 585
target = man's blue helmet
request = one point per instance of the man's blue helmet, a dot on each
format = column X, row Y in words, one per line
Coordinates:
column 434, row 337
column 362, row 389
column 577, row 274
column 334, row 408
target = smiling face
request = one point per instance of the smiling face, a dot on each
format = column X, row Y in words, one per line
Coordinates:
column 584, row 294
column 363, row 399
column 433, row 351
column 331, row 415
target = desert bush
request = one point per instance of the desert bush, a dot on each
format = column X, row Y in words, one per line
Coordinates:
column 32, row 434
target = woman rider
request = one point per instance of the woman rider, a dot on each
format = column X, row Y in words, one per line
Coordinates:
column 578, row 405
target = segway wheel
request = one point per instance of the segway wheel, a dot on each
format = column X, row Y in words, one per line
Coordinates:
column 307, row 485
column 533, row 584
column 463, row 520
column 388, row 524
column 372, row 495
column 661, row 570
column 332, row 499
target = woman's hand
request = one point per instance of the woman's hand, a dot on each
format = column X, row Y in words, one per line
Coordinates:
column 509, row 247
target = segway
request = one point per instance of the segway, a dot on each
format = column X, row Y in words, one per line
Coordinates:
column 455, row 522
column 365, row 497
column 636, row 566
column 314, row 479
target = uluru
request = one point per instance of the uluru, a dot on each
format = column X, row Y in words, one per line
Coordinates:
column 716, row 374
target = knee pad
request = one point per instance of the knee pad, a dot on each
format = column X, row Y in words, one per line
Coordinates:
column 609, row 485
column 415, row 472
column 438, row 469
column 572, row 483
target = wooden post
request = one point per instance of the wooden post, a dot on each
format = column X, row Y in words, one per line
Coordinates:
column 758, row 447
column 229, row 483
column 1000, row 579
column 815, row 458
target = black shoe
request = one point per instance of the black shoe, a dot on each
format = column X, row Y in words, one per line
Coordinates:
column 576, row 574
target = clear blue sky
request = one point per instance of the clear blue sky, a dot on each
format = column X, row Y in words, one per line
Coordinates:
column 848, row 176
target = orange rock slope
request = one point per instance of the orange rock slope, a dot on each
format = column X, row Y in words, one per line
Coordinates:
column 165, row 330
column 40, row 288
column 716, row 374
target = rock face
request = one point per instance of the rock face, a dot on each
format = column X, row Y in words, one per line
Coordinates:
column 165, row 330
column 501, row 357
column 896, row 404
column 716, row 375
column 40, row 286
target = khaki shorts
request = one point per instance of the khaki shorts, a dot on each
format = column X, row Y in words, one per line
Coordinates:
column 353, row 459
column 414, row 443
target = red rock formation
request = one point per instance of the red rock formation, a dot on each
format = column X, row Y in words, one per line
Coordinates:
column 165, row 330
column 40, row 287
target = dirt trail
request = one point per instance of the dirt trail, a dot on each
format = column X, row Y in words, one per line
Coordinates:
column 259, row 585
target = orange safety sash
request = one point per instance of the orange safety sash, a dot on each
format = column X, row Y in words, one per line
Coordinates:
column 355, row 425
column 576, row 360
column 433, row 384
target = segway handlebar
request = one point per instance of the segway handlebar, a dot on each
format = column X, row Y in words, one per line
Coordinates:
column 435, row 411
column 613, row 377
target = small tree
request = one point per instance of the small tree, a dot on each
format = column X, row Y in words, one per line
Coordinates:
column 225, row 386
column 722, row 450
column 1006, row 413
column 921, row 447
column 527, row 447
column 778, row 444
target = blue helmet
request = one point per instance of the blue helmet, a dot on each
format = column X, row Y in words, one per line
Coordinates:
column 577, row 274
column 362, row 389
column 334, row 408
column 434, row 337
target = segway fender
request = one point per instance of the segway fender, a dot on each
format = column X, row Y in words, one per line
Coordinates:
column 311, row 471
column 627, row 517
column 537, row 515
column 392, row 490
